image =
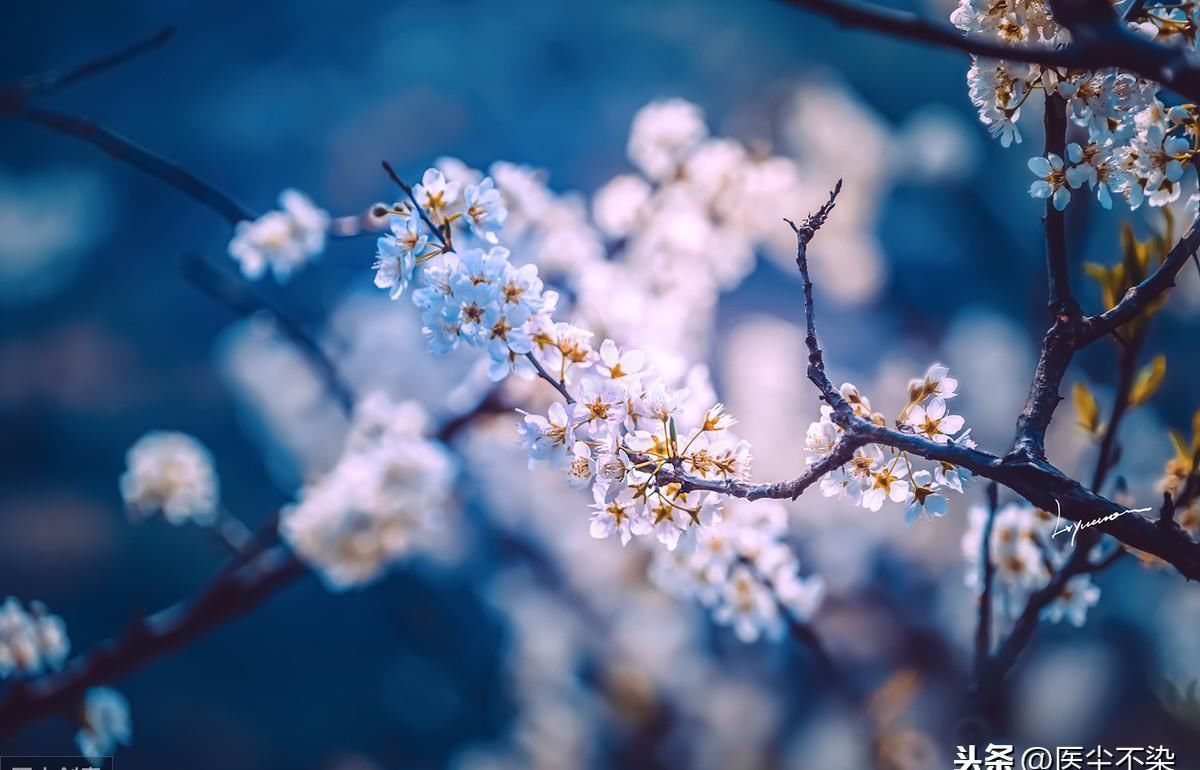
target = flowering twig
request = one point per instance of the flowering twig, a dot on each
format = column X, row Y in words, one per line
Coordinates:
column 1030, row 475
column 408, row 191
column 1101, row 41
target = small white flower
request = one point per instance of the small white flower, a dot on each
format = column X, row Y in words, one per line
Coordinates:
column 282, row 240
column 926, row 500
column 171, row 473
column 933, row 422
column 485, row 209
column 662, row 134
column 436, row 194
column 1077, row 597
column 936, row 382
column 615, row 364
column 547, row 437
column 886, row 483
column 105, row 723
column 32, row 640
column 581, row 467
column 1052, row 180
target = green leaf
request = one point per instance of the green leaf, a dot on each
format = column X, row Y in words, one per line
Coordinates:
column 1148, row 381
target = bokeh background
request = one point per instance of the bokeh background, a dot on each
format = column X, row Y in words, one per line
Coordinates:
column 102, row 338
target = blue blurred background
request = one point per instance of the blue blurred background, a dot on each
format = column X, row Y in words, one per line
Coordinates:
column 102, row 338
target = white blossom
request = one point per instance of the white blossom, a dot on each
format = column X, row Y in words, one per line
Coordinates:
column 282, row 240
column 105, row 723
column 170, row 473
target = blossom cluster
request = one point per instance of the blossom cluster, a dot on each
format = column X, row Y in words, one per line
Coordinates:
column 877, row 474
column 170, row 473
column 743, row 571
column 1136, row 147
column 385, row 498
column 621, row 422
column 1024, row 554
column 32, row 641
column 283, row 240
column 623, row 429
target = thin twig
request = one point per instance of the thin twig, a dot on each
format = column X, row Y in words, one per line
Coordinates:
column 228, row 597
column 558, row 384
column 1139, row 297
column 983, row 626
column 391, row 172
column 244, row 298
column 140, row 158
column 56, row 79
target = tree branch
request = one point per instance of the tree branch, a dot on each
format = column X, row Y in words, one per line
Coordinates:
column 53, row 80
column 244, row 298
column 142, row 159
column 228, row 597
column 1139, row 297
column 1057, row 344
column 1101, row 43
column 983, row 626
column 1028, row 474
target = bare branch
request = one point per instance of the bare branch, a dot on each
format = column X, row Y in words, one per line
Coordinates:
column 558, row 384
column 140, row 158
column 244, row 298
column 1137, row 298
column 56, row 79
column 816, row 362
column 983, row 627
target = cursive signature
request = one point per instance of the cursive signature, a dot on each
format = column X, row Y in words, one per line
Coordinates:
column 1075, row 526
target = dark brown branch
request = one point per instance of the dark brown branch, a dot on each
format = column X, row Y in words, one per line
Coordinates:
column 1058, row 268
column 1027, row 622
column 983, row 626
column 1126, row 376
column 56, row 79
column 140, row 158
column 816, row 362
column 1057, row 344
column 1102, row 43
column 1139, row 297
column 841, row 454
column 230, row 596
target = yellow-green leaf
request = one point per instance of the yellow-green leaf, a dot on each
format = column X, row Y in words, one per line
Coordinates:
column 1196, row 431
column 1086, row 409
column 1181, row 448
column 1148, row 381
